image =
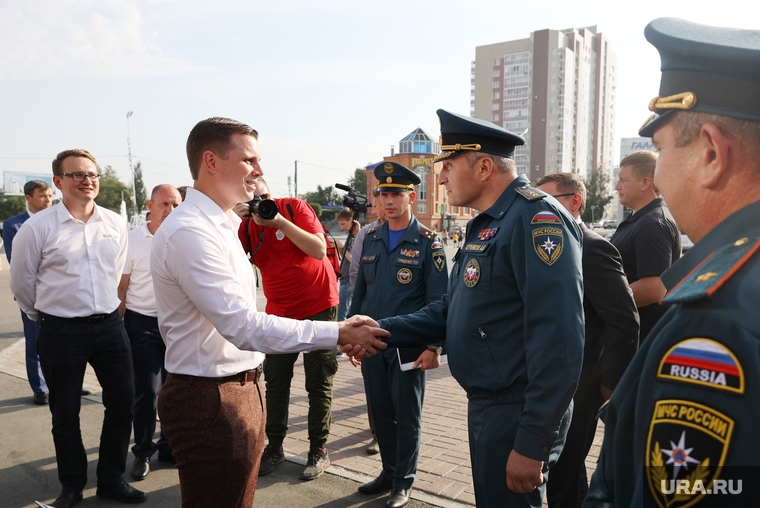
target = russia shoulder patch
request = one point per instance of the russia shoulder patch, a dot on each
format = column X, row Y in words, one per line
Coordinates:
column 545, row 217
column 704, row 362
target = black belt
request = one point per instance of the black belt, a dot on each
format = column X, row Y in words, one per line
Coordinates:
column 90, row 320
column 248, row 376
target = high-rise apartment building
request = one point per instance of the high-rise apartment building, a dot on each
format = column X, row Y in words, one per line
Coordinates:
column 557, row 89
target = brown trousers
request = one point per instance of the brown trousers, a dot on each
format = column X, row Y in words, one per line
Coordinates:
column 216, row 432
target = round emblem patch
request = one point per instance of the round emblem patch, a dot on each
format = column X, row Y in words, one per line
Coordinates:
column 471, row 273
column 388, row 168
column 404, row 276
column 389, row 180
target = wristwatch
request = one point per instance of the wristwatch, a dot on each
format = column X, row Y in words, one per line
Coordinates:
column 436, row 350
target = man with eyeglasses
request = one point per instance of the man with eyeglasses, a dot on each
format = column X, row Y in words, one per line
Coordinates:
column 64, row 274
column 612, row 335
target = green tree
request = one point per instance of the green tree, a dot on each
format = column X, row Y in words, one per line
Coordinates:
column 359, row 180
column 597, row 195
column 139, row 188
column 111, row 189
column 324, row 196
column 11, row 206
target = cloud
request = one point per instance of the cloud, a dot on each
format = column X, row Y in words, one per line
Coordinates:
column 80, row 38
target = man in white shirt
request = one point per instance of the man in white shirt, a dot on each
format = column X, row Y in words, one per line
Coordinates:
column 138, row 306
column 211, row 406
column 64, row 274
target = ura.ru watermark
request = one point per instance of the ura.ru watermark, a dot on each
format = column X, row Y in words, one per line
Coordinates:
column 717, row 486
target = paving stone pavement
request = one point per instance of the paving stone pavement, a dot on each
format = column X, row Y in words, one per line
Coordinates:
column 444, row 465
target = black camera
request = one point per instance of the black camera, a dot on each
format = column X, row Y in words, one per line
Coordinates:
column 264, row 208
column 355, row 201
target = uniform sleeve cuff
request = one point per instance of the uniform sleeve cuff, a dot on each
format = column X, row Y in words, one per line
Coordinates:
column 532, row 446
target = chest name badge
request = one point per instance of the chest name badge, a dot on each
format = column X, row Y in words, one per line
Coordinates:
column 404, row 275
column 548, row 244
column 545, row 217
column 410, row 253
column 703, row 362
column 686, row 447
column 487, row 234
column 471, row 273
column 369, row 258
column 439, row 260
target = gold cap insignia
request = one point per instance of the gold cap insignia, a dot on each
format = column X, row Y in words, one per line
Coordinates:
column 389, row 180
column 388, row 167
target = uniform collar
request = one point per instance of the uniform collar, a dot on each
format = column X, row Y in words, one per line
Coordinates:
column 740, row 224
column 500, row 207
column 211, row 210
column 411, row 234
column 145, row 231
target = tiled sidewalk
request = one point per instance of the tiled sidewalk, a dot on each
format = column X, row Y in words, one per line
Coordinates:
column 444, row 466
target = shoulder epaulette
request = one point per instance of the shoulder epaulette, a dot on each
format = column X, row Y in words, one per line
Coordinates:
column 372, row 230
column 530, row 193
column 708, row 277
column 427, row 232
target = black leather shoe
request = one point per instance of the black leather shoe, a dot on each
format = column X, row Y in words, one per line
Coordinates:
column 41, row 399
column 67, row 499
column 399, row 498
column 122, row 492
column 376, row 486
column 141, row 469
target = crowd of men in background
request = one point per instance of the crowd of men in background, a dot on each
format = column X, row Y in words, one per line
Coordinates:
column 540, row 316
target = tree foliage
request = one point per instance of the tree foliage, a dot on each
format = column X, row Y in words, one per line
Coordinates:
column 11, row 206
column 139, row 188
column 359, row 180
column 324, row 196
column 597, row 195
column 111, row 189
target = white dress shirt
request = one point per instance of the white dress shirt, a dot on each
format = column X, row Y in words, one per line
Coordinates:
column 206, row 297
column 140, row 296
column 68, row 268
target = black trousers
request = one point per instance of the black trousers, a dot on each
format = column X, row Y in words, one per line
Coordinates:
column 65, row 347
column 148, row 351
column 568, row 483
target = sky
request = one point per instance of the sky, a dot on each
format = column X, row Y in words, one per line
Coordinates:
column 332, row 84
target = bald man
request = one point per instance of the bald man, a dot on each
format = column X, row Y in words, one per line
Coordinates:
column 138, row 306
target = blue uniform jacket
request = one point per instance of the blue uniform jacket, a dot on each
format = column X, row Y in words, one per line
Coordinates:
column 513, row 314
column 687, row 407
column 404, row 280
column 10, row 228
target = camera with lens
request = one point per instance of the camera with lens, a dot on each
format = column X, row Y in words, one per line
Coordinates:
column 264, row 208
column 355, row 201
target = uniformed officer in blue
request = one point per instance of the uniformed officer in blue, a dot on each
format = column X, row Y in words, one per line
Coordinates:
column 681, row 427
column 402, row 269
column 512, row 316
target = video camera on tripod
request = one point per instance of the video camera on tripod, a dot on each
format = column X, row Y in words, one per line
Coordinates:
column 355, row 201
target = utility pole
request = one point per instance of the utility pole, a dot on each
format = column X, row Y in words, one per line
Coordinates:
column 131, row 168
column 295, row 180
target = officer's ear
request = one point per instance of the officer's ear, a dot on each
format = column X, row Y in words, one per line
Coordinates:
column 412, row 196
column 485, row 167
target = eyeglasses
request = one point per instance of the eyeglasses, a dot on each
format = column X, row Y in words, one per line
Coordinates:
column 79, row 177
column 563, row 195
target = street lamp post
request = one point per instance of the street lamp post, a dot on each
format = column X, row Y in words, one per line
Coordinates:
column 131, row 168
column 593, row 207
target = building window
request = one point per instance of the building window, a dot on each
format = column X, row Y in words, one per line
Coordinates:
column 495, row 106
column 496, row 95
column 497, row 61
column 422, row 172
column 496, row 118
column 421, row 207
column 497, row 84
column 454, row 210
column 496, row 73
column 467, row 210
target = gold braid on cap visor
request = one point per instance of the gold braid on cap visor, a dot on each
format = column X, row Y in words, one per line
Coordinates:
column 447, row 148
column 685, row 100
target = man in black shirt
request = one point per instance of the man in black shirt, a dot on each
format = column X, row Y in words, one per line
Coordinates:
column 648, row 240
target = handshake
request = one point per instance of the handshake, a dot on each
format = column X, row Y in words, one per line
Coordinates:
column 358, row 337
